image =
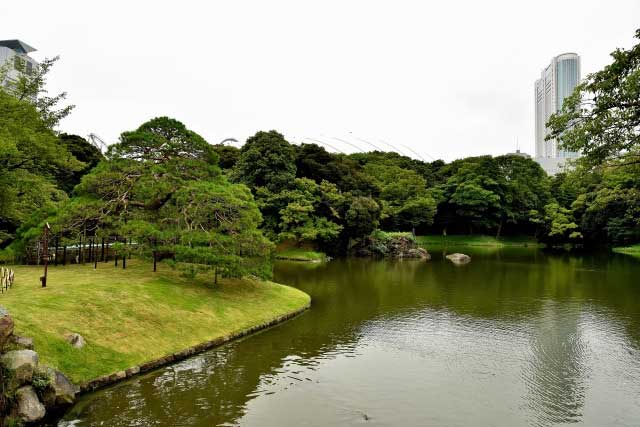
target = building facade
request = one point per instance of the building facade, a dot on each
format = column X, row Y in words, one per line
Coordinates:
column 14, row 60
column 557, row 82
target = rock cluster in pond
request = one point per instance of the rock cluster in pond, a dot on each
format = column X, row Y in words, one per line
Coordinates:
column 31, row 391
column 459, row 259
column 391, row 246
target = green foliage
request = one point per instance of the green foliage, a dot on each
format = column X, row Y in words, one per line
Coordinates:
column 82, row 150
column 601, row 119
column 557, row 224
column 162, row 189
column 31, row 158
column 486, row 193
column 609, row 208
column 228, row 155
column 403, row 193
column 41, row 380
column 266, row 160
column 306, row 211
column 31, row 87
column 314, row 162
column 362, row 217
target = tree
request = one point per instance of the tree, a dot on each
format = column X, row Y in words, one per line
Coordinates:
column 601, row 119
column 416, row 213
column 362, row 217
column 266, row 160
column 302, row 220
column 556, row 224
column 228, row 155
column 403, row 194
column 216, row 226
column 314, row 162
column 30, row 159
column 82, row 150
column 524, row 187
column 161, row 187
column 31, row 87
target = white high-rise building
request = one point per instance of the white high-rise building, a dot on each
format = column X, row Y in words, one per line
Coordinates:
column 558, row 80
column 14, row 59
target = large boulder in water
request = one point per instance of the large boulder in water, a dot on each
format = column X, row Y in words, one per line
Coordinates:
column 21, row 363
column 29, row 408
column 6, row 327
column 459, row 259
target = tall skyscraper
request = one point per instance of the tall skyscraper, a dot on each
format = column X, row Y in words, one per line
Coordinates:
column 558, row 80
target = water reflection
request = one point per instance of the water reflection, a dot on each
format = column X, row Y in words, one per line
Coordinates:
column 517, row 337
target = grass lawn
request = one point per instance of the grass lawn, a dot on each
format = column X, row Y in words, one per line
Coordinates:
column 300, row 254
column 633, row 250
column 476, row 240
column 132, row 316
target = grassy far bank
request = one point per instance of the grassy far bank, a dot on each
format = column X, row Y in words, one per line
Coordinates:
column 132, row 316
column 300, row 254
column 633, row 250
column 476, row 240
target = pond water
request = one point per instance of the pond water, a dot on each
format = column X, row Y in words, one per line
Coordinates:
column 518, row 337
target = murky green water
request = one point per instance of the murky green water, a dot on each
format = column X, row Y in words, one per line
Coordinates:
column 516, row 337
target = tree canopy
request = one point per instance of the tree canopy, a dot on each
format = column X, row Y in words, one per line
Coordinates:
column 601, row 119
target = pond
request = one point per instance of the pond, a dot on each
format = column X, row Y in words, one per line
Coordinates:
column 518, row 337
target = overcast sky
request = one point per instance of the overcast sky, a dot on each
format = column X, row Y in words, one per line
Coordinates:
column 448, row 79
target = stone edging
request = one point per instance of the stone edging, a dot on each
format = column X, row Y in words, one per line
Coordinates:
column 106, row 380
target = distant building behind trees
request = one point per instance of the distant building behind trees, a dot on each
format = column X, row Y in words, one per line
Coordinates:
column 15, row 60
column 557, row 82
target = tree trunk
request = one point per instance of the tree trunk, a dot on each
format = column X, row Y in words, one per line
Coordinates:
column 499, row 230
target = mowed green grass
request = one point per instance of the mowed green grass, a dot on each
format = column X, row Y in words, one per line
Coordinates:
column 132, row 316
column 300, row 254
column 476, row 240
column 633, row 250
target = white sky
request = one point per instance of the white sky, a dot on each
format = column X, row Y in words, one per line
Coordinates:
column 449, row 79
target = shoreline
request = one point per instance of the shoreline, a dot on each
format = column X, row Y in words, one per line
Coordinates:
column 478, row 240
column 114, row 378
column 134, row 319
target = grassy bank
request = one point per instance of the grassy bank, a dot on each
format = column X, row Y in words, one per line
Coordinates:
column 131, row 316
column 633, row 250
column 300, row 254
column 476, row 240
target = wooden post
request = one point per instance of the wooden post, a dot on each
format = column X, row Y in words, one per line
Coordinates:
column 45, row 252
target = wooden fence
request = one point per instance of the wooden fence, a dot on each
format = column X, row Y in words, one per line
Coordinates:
column 7, row 276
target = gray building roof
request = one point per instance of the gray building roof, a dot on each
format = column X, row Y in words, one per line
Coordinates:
column 17, row 45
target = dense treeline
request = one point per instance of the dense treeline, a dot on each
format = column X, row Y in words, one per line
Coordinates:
column 164, row 189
